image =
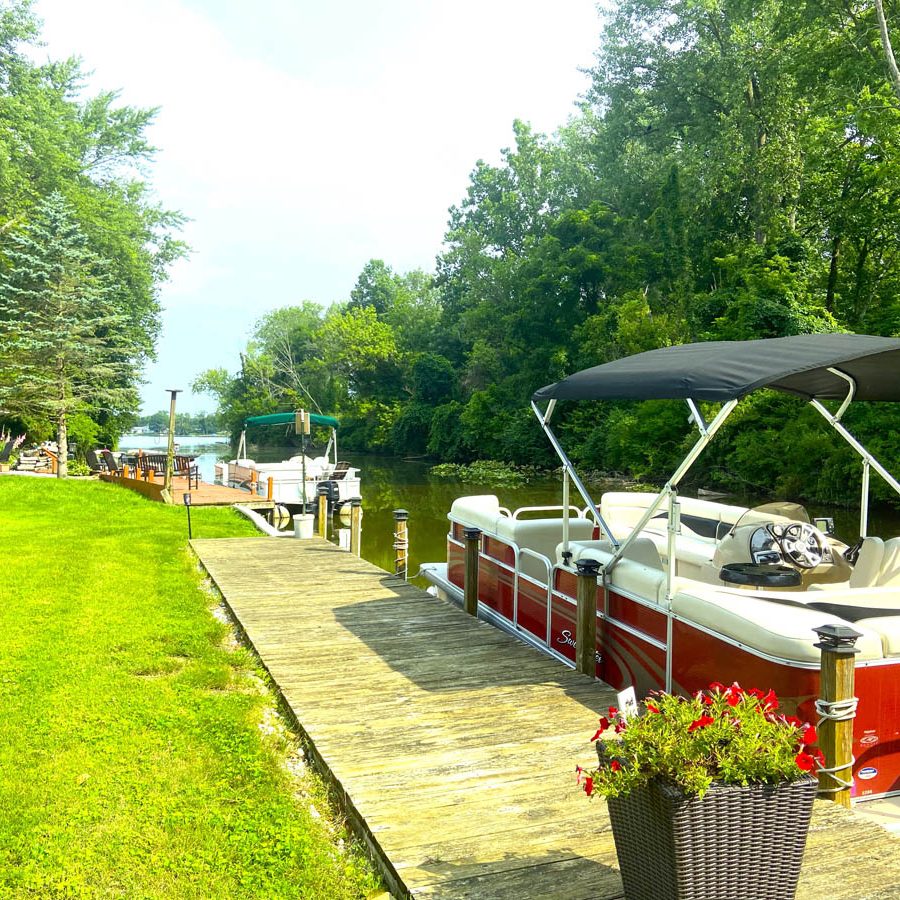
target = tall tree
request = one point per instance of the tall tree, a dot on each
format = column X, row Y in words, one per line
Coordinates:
column 64, row 347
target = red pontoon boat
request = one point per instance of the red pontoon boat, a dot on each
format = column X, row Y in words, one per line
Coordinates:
column 694, row 591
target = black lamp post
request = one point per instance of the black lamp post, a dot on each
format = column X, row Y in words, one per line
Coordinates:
column 187, row 502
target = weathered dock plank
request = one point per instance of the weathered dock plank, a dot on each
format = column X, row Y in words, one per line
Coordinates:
column 452, row 743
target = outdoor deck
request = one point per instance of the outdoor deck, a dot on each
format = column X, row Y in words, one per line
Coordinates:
column 453, row 745
column 205, row 495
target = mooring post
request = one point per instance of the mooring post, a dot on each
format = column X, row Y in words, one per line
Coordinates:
column 355, row 524
column 586, row 623
column 323, row 514
column 270, row 488
column 401, row 543
column 836, row 708
column 470, row 573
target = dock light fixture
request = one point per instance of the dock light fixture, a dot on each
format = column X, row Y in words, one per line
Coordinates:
column 187, row 502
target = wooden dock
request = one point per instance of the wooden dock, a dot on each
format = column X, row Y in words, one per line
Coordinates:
column 204, row 494
column 452, row 745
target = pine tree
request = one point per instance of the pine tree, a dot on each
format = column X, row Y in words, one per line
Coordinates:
column 64, row 347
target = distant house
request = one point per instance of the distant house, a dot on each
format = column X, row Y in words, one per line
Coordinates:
column 140, row 429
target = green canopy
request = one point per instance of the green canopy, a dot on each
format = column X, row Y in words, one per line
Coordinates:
column 288, row 418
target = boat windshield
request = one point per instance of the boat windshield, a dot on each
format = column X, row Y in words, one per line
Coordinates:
column 796, row 512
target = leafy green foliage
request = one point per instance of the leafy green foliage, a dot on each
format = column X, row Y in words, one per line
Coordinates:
column 487, row 471
column 64, row 345
column 86, row 155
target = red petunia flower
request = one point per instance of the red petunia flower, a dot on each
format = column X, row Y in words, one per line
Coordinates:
column 806, row 762
column 732, row 699
column 708, row 701
column 589, row 785
column 756, row 692
column 604, row 724
column 792, row 720
column 770, row 701
column 615, row 765
column 736, row 688
column 717, row 686
column 613, row 711
column 652, row 708
column 809, row 735
column 620, row 727
column 702, row 722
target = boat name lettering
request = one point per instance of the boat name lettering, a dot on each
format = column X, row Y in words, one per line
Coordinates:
column 566, row 638
column 867, row 773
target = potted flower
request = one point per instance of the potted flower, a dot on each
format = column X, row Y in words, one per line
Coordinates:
column 709, row 796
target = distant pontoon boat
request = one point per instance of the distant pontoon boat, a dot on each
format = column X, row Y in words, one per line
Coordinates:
column 298, row 477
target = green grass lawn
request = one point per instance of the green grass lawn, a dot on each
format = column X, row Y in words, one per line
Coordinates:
column 137, row 753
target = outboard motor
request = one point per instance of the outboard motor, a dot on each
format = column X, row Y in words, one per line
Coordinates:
column 330, row 490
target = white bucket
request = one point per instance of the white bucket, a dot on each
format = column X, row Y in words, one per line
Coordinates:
column 303, row 525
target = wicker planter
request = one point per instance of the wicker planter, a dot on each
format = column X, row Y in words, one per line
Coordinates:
column 735, row 842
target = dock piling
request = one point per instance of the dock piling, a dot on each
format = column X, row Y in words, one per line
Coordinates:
column 355, row 525
column 323, row 513
column 836, row 708
column 470, row 577
column 586, row 625
column 401, row 543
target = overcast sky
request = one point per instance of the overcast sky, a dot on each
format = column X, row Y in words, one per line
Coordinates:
column 304, row 138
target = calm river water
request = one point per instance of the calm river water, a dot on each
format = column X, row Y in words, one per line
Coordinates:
column 389, row 483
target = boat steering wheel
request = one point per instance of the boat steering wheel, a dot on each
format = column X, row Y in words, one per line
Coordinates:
column 801, row 544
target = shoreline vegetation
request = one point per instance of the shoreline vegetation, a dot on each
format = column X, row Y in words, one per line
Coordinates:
column 142, row 752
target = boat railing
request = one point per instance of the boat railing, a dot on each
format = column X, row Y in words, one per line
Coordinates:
column 515, row 570
column 517, row 575
column 531, row 509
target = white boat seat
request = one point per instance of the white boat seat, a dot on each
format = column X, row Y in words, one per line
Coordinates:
column 868, row 564
column 866, row 572
column 703, row 519
column 478, row 511
column 889, row 575
column 889, row 629
column 541, row 536
column 784, row 631
column 640, row 571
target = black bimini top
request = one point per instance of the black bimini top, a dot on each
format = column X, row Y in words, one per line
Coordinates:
column 725, row 370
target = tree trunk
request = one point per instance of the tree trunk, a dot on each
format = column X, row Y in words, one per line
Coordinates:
column 833, row 272
column 62, row 444
column 893, row 71
column 860, row 273
column 62, row 427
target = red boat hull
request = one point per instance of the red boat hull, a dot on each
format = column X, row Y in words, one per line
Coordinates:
column 631, row 638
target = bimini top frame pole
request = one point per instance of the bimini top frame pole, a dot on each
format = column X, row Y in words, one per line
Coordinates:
column 869, row 461
column 544, row 419
column 707, row 432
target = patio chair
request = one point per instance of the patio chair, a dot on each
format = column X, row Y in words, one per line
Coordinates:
column 110, row 461
column 94, row 462
column 185, row 466
column 340, row 470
